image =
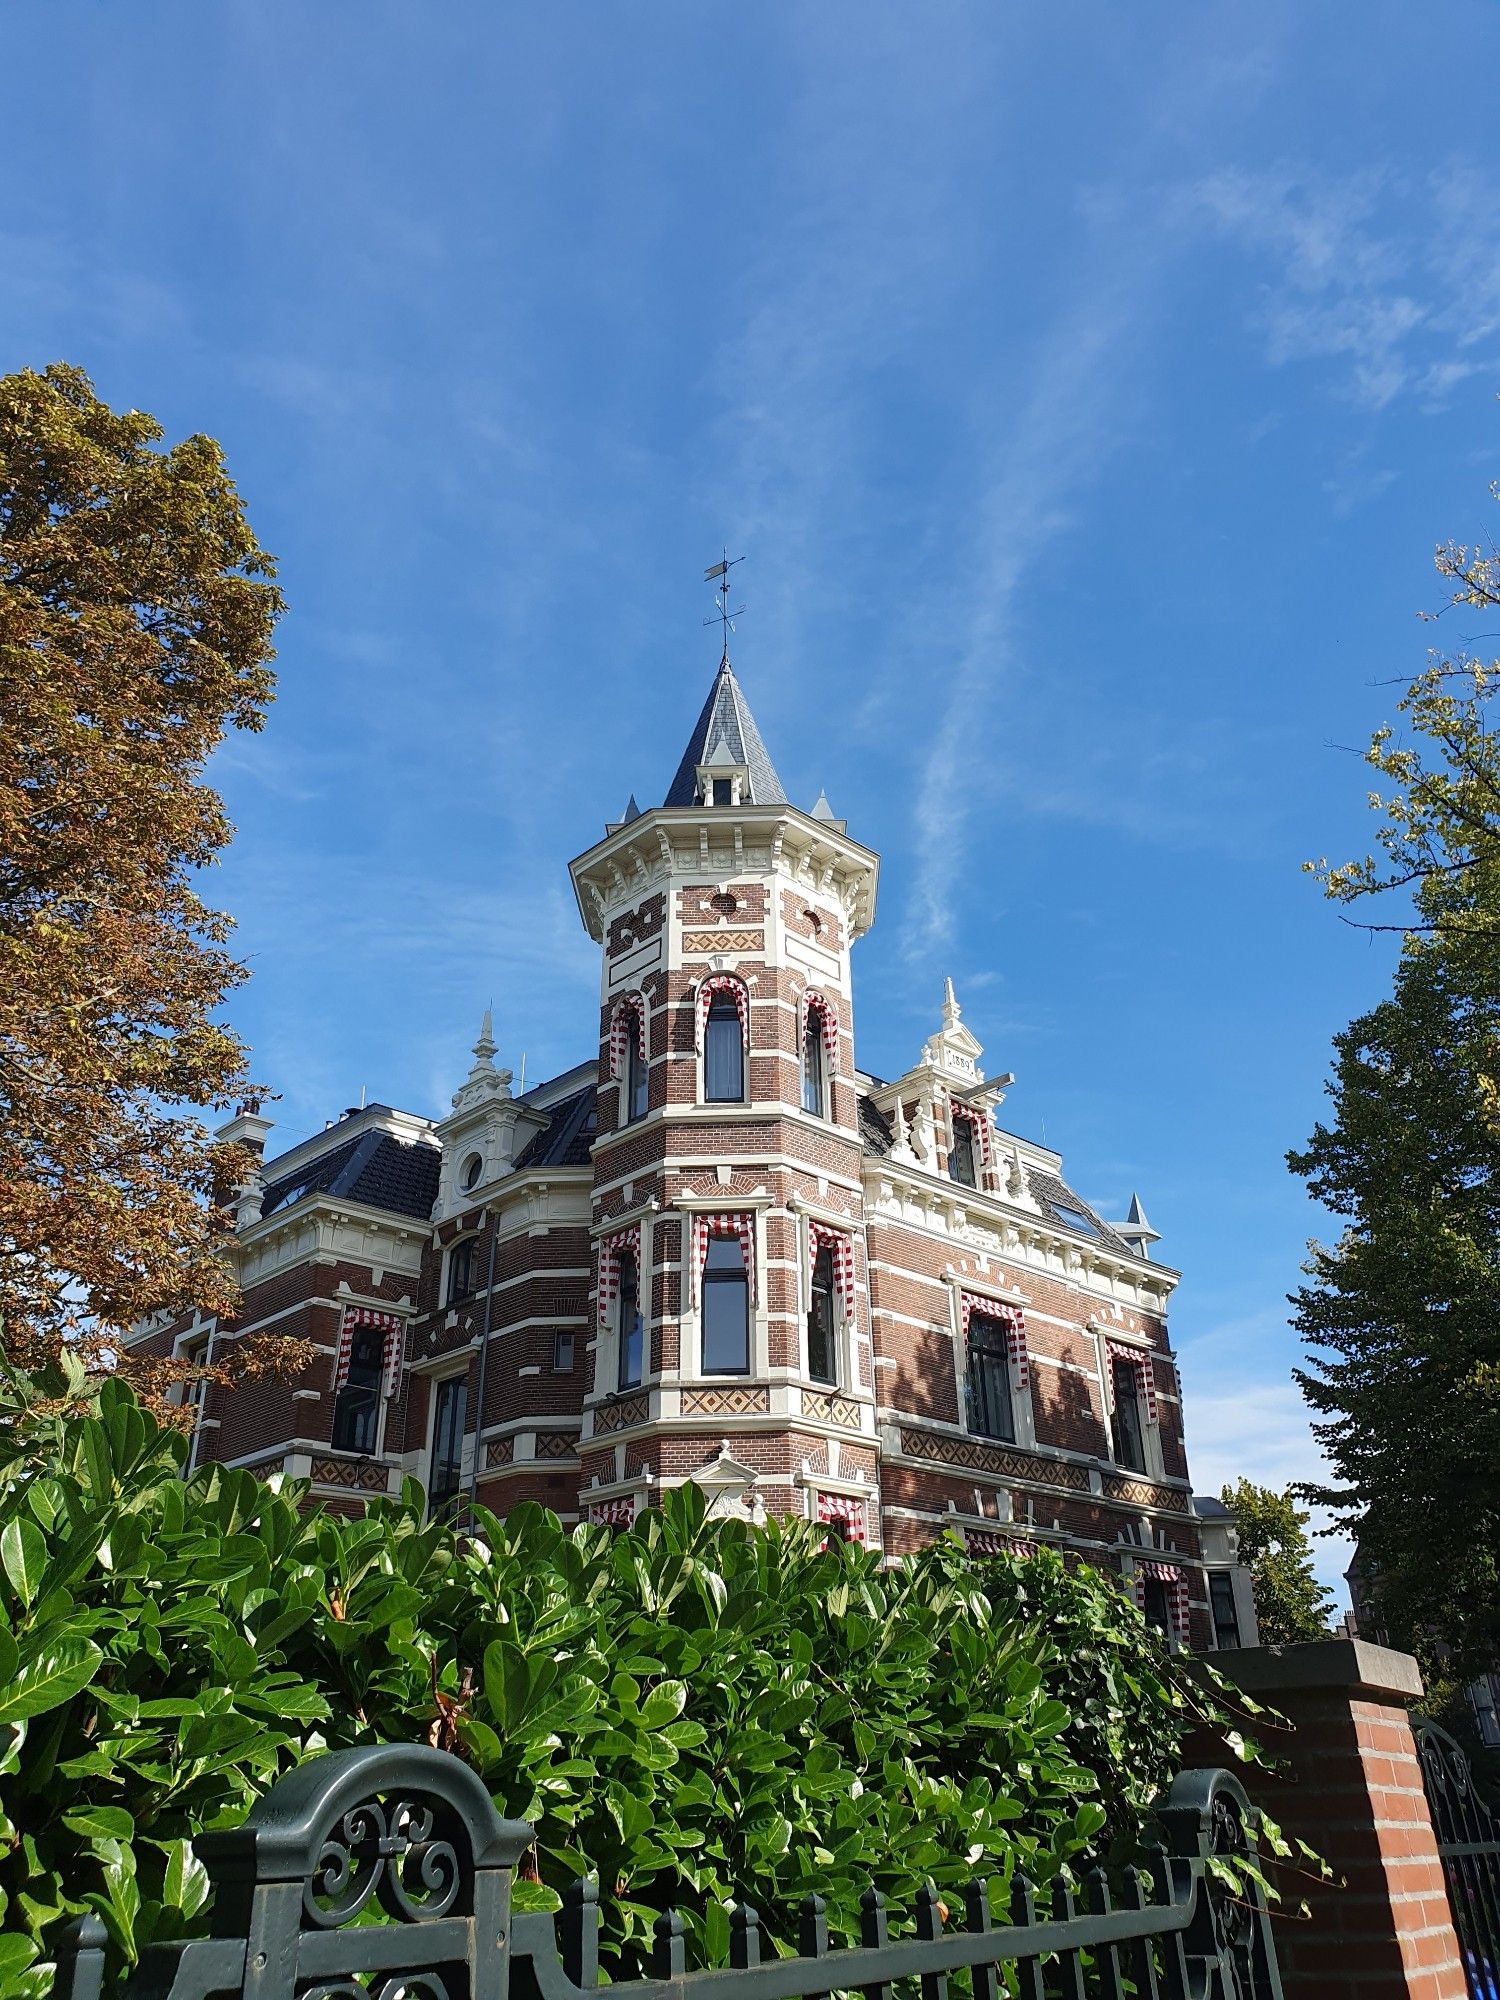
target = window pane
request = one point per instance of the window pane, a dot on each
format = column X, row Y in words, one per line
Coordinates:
column 822, row 1322
column 723, row 1053
column 461, row 1270
column 1158, row 1608
column 358, row 1403
column 723, row 788
column 637, row 1076
column 631, row 1332
column 961, row 1159
column 991, row 1412
column 562, row 1353
column 726, row 1309
column 812, row 1067
column 1221, row 1597
column 1129, row 1438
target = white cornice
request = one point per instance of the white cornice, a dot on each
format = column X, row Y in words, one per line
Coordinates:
column 682, row 841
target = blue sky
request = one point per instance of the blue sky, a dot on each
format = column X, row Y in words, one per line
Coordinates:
column 1087, row 387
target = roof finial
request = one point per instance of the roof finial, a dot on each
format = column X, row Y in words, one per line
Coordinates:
column 485, row 1047
column 719, row 574
column 951, row 1008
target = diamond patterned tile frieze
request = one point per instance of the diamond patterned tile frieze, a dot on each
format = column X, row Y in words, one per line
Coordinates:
column 619, row 1416
column 974, row 1455
column 696, row 941
column 556, row 1444
column 1141, row 1495
column 725, row 1402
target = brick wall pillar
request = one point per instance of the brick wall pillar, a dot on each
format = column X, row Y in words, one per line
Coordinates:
column 1352, row 1788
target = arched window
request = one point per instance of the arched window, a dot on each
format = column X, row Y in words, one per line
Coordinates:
column 822, row 1319
column 629, row 1324
column 357, row 1405
column 814, row 1069
column 461, row 1270
column 992, row 1411
column 723, row 1052
column 637, row 1082
column 725, row 1288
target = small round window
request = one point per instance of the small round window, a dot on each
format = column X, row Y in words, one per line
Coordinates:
column 472, row 1168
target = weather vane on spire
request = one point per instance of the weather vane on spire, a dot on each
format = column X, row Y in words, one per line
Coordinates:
column 719, row 575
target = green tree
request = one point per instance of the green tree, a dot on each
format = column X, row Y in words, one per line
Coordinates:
column 136, row 614
column 1290, row 1603
column 1402, row 1313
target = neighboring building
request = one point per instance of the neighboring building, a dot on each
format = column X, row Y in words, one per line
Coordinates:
column 1231, row 1589
column 718, row 1251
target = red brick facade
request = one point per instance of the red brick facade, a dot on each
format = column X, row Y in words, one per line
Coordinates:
column 489, row 1251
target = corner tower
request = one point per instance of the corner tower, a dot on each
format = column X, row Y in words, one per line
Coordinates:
column 730, row 1335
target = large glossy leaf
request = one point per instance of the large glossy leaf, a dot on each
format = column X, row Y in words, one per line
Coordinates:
column 48, row 1678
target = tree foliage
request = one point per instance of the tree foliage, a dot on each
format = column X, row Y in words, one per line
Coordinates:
column 1402, row 1313
column 136, row 614
column 695, row 1709
column 1290, row 1603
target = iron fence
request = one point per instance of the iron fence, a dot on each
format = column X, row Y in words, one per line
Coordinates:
column 411, row 1834
column 1468, row 1841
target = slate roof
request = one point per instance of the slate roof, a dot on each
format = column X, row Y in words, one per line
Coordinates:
column 566, row 1139
column 877, row 1134
column 373, row 1168
column 725, row 733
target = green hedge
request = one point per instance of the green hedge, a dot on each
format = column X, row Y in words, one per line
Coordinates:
column 696, row 1709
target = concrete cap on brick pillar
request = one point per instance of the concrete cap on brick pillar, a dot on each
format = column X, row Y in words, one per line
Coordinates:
column 1367, row 1672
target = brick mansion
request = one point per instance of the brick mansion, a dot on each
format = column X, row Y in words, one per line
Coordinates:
column 718, row 1250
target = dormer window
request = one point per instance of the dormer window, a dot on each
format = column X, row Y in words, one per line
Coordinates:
column 461, row 1270
column 723, row 791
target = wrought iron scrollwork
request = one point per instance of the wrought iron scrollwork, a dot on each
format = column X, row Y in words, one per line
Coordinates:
column 412, row 1834
column 390, row 1851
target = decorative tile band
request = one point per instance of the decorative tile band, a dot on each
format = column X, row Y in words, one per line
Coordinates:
column 698, row 941
column 725, row 1402
column 620, row 1416
column 974, row 1455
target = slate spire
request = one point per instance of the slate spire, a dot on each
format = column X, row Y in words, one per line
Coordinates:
column 725, row 733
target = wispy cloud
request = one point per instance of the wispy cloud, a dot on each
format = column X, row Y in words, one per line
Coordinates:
column 1384, row 278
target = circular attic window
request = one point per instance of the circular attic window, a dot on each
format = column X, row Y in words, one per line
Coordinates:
column 471, row 1169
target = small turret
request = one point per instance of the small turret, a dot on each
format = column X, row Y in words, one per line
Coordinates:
column 1136, row 1230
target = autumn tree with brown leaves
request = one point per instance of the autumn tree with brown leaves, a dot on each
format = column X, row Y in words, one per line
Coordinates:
column 136, row 618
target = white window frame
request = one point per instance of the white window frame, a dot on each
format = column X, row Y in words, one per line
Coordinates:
column 1023, row 1415
column 690, row 1362
column 1106, row 1337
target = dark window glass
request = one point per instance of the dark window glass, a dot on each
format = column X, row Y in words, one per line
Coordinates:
column 812, row 1064
column 723, row 1052
column 723, row 791
column 1130, row 1437
column 961, row 1159
column 1221, row 1599
column 1158, row 1605
column 637, row 1078
column 991, row 1411
column 632, row 1333
column 1074, row 1218
column 822, row 1321
column 726, row 1309
column 358, row 1402
column 461, row 1270
column 445, row 1478
column 562, row 1353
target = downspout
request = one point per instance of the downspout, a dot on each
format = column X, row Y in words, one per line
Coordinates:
column 484, row 1356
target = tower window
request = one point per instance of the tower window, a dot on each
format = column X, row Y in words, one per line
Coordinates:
column 445, row 1476
column 726, row 1307
column 1129, row 1431
column 723, row 791
column 723, row 1052
column 822, row 1320
column 461, row 1270
column 357, row 1405
column 473, row 1167
column 637, row 1078
column 562, row 1353
column 631, row 1329
column 991, row 1407
column 961, row 1156
column 814, row 1066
